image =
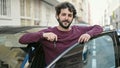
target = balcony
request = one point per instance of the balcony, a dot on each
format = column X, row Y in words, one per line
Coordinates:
column 52, row 2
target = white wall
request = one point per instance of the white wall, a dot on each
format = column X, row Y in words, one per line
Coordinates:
column 47, row 15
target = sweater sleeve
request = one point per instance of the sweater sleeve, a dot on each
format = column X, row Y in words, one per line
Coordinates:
column 91, row 30
column 31, row 37
column 95, row 30
column 34, row 37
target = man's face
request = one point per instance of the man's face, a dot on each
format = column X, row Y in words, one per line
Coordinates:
column 65, row 18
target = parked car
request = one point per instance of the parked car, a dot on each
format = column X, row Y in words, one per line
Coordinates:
column 12, row 53
column 118, row 32
column 101, row 51
column 108, row 28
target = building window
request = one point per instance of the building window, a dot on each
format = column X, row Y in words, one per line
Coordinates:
column 36, row 12
column 37, row 9
column 74, row 1
column 25, row 12
column 30, row 12
column 5, row 8
column 25, row 7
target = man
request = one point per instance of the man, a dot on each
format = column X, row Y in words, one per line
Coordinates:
column 64, row 34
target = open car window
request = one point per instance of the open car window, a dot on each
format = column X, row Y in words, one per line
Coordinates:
column 99, row 52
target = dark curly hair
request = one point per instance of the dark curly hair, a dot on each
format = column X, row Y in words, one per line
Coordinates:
column 64, row 5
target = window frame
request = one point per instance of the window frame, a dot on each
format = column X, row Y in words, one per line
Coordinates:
column 5, row 15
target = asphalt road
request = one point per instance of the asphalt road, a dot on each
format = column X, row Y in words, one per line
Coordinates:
column 100, row 53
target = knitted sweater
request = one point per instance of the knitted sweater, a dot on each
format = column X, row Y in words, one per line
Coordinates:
column 65, row 39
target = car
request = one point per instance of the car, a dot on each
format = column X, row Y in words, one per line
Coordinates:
column 108, row 28
column 101, row 51
column 12, row 53
column 118, row 32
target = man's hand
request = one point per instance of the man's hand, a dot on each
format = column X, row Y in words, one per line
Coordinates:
column 50, row 36
column 84, row 38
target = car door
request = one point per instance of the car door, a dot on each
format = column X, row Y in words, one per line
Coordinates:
column 101, row 51
column 12, row 53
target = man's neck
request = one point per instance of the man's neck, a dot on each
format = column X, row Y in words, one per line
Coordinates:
column 63, row 29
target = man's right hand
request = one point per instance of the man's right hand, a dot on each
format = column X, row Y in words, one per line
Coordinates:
column 50, row 36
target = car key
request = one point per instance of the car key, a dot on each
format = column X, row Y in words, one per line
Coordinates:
column 54, row 43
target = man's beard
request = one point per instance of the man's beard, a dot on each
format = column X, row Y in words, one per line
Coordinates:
column 61, row 24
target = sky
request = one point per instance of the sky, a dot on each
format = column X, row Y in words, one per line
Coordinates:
column 97, row 10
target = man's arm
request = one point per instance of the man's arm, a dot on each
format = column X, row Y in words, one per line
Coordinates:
column 90, row 32
column 95, row 30
column 37, row 36
column 31, row 37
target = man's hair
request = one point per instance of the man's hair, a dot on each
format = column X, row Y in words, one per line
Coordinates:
column 64, row 5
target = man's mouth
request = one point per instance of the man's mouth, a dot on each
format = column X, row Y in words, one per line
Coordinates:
column 66, row 21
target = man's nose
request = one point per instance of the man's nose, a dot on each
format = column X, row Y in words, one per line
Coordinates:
column 66, row 17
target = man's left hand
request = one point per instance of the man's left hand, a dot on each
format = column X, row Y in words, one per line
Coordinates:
column 84, row 38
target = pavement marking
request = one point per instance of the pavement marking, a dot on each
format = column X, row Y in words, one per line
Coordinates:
column 94, row 63
column 94, row 47
column 94, row 53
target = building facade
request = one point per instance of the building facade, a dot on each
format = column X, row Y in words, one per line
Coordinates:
column 27, row 12
column 112, row 14
column 115, row 18
column 36, row 12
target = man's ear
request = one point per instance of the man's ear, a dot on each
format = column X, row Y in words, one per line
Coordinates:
column 56, row 16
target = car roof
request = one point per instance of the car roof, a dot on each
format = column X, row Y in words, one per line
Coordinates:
column 16, row 29
column 9, row 35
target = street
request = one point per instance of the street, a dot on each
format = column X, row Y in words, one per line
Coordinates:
column 101, row 53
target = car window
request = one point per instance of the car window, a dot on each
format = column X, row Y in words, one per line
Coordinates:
column 97, row 53
column 101, row 53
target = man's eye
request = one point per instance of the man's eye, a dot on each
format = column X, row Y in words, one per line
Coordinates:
column 63, row 14
column 70, row 15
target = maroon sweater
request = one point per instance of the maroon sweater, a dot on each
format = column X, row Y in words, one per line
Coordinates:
column 65, row 39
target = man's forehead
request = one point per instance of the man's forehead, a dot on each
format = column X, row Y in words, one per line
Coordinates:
column 66, row 10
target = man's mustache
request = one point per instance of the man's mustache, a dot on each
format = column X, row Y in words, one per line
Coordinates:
column 66, row 21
